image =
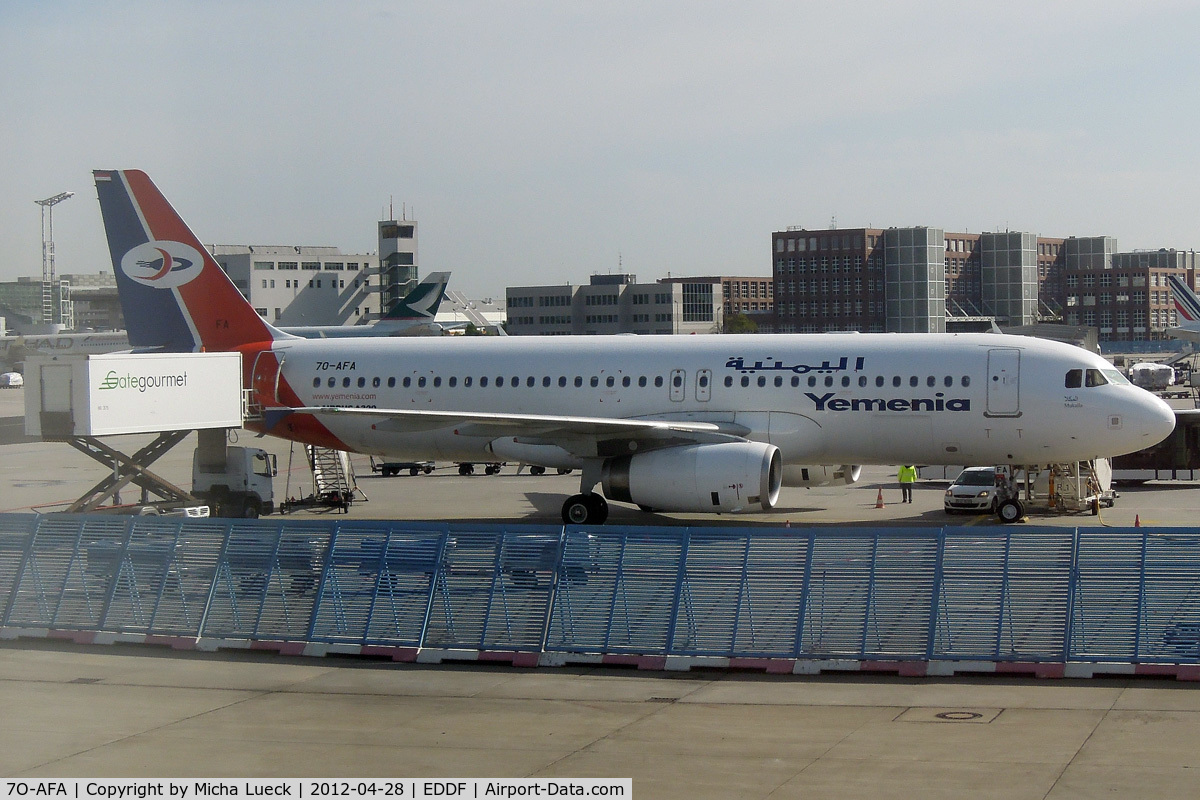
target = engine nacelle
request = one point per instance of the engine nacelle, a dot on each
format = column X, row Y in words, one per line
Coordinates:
column 821, row 475
column 727, row 476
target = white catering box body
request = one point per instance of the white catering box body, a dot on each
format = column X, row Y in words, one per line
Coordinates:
column 120, row 393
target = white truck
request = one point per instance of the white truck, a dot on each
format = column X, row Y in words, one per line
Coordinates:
column 83, row 400
column 241, row 487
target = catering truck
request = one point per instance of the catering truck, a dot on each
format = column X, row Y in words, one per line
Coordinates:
column 94, row 402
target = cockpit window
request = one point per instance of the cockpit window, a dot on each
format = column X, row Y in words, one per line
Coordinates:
column 1074, row 378
column 1115, row 376
column 1095, row 378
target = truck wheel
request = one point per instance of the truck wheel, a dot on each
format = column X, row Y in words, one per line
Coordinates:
column 427, row 469
column 250, row 510
column 414, row 470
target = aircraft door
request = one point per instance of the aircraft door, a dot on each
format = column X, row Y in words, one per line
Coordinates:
column 703, row 385
column 264, row 378
column 678, row 387
column 1004, row 382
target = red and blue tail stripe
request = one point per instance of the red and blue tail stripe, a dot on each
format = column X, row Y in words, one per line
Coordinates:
column 174, row 295
column 1186, row 302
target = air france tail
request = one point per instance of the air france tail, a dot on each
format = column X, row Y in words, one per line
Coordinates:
column 174, row 295
column 1187, row 306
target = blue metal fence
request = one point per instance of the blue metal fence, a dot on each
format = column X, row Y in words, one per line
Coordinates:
column 1009, row 593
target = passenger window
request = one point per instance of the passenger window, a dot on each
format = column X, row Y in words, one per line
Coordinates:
column 515, row 382
column 332, row 382
column 407, row 382
column 499, row 381
column 728, row 381
column 745, row 380
column 545, row 381
column 912, row 381
column 421, row 382
column 845, row 380
column 467, row 381
column 483, row 382
column 642, row 381
column 677, row 381
column 779, row 380
column 316, row 382
column 896, row 380
column 966, row 380
column 391, row 383
column 346, row 383
column 762, row 380
column 362, row 382
column 1074, row 378
column 812, row 380
column 452, row 382
column 610, row 381
column 795, row 381
column 437, row 382
column 529, row 381
column 658, row 381
column 862, row 380
column 948, row 381
column 625, row 381
column 375, row 382
column 703, row 381
column 562, row 381
column 879, row 380
column 931, row 381
column 594, row 382
column 578, row 381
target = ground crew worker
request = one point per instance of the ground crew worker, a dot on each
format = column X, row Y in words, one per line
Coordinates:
column 907, row 476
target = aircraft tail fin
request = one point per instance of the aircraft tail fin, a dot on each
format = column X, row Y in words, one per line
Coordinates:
column 1186, row 303
column 174, row 294
column 423, row 301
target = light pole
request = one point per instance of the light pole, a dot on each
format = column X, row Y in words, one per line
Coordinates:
column 51, row 310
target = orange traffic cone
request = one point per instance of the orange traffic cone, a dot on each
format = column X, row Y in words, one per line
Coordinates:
column 1137, row 520
column 879, row 499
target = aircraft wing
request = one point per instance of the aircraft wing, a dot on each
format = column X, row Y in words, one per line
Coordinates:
column 1187, row 334
column 586, row 437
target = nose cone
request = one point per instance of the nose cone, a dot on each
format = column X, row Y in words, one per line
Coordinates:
column 1156, row 420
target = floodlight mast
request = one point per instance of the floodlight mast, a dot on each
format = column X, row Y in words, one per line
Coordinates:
column 51, row 310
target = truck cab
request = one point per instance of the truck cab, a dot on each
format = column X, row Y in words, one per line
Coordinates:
column 241, row 487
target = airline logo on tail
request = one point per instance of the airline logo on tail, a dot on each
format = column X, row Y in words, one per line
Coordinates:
column 1186, row 302
column 162, row 264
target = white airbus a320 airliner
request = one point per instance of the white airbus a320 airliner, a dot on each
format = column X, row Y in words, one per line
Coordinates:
column 672, row 423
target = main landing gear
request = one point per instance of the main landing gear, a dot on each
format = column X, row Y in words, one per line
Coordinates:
column 585, row 509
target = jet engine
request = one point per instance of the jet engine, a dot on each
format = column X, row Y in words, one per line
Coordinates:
column 726, row 476
column 821, row 475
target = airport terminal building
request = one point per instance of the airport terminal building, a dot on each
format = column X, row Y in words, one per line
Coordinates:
column 615, row 304
column 928, row 280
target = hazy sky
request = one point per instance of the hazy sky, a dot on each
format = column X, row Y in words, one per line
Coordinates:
column 540, row 142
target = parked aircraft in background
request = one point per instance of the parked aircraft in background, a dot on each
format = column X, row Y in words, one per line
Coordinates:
column 674, row 423
column 1187, row 307
column 15, row 349
column 412, row 315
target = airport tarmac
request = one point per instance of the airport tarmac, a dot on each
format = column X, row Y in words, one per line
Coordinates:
column 140, row 711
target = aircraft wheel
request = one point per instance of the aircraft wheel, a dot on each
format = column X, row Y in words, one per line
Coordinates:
column 537, row 470
column 466, row 469
column 1010, row 510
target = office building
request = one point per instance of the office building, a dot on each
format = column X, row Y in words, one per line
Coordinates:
column 615, row 304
